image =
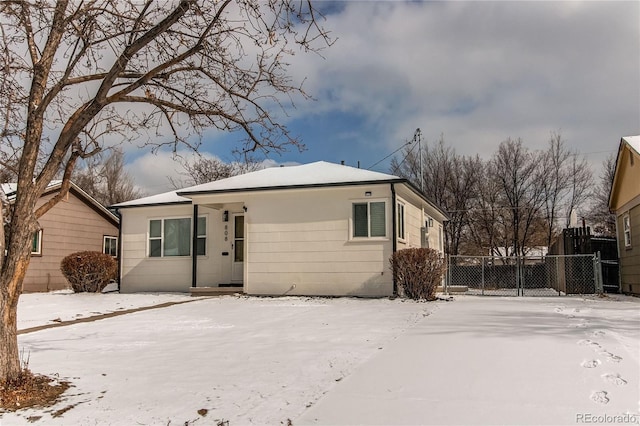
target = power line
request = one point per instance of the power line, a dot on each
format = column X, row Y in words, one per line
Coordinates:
column 405, row 144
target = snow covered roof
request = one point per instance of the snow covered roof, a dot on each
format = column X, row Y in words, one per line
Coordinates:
column 320, row 173
column 170, row 197
column 312, row 175
column 633, row 142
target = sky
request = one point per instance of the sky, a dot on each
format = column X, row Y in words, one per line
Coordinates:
column 476, row 73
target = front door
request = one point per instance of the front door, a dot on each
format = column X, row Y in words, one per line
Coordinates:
column 237, row 267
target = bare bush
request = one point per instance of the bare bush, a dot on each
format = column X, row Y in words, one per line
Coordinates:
column 417, row 272
column 89, row 271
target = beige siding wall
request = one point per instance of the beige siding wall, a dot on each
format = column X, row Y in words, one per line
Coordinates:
column 70, row 226
column 630, row 256
column 141, row 273
column 417, row 214
column 299, row 242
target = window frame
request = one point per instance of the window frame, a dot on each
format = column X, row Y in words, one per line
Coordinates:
column 400, row 221
column 104, row 244
column 38, row 251
column 352, row 220
column 626, row 230
column 204, row 236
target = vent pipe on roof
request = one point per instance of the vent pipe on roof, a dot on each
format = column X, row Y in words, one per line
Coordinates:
column 342, row 162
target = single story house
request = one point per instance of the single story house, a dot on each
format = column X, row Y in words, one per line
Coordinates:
column 76, row 223
column 624, row 202
column 314, row 229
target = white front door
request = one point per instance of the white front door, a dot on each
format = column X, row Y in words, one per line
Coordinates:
column 237, row 266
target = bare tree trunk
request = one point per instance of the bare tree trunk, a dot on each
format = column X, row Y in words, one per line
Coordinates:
column 11, row 289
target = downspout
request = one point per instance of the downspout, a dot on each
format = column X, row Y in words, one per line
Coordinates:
column 117, row 211
column 394, row 241
column 194, row 248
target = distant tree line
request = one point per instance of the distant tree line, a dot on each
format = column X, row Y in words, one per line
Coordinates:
column 515, row 200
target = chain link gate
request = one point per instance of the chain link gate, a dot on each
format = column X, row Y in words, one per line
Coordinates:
column 526, row 275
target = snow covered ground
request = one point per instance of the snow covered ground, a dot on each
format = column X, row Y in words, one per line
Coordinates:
column 36, row 309
column 474, row 360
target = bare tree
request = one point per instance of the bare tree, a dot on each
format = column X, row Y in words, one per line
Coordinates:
column 566, row 181
column 599, row 214
column 107, row 181
column 449, row 180
column 580, row 184
column 204, row 169
column 520, row 178
column 77, row 75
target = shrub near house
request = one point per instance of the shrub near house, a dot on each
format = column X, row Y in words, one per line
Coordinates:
column 89, row 271
column 418, row 272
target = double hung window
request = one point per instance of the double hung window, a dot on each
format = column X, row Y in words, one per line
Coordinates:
column 369, row 219
column 110, row 246
column 626, row 227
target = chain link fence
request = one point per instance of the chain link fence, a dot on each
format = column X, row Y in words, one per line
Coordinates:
column 525, row 276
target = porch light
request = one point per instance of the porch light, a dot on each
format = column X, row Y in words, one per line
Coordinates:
column 367, row 194
column 225, row 216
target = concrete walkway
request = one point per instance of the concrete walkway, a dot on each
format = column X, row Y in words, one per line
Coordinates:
column 104, row 316
column 481, row 361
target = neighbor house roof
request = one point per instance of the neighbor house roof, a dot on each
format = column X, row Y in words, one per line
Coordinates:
column 632, row 143
column 11, row 188
column 318, row 174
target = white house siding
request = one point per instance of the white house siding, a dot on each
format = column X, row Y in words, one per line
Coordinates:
column 299, row 242
column 141, row 273
column 417, row 213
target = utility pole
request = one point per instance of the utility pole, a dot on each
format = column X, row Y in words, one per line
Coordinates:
column 417, row 136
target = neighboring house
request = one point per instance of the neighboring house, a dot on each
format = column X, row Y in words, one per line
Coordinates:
column 624, row 202
column 76, row 223
column 314, row 229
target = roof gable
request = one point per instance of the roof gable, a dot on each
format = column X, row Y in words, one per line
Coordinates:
column 10, row 190
column 627, row 173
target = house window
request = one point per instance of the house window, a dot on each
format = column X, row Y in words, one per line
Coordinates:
column 626, row 227
column 172, row 237
column 110, row 246
column 201, row 243
column 400, row 221
column 369, row 220
column 36, row 243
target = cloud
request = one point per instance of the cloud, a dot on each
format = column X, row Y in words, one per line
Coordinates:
column 480, row 72
column 152, row 173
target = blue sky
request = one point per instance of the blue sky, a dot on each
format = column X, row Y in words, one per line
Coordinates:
column 475, row 72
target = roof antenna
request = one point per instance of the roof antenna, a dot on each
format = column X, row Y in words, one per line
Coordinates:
column 417, row 136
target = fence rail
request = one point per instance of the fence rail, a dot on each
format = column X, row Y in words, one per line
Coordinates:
column 551, row 275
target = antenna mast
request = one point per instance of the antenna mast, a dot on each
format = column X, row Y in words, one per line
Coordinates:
column 417, row 136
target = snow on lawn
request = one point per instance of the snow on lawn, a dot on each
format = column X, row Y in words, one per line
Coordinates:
column 500, row 360
column 36, row 309
column 248, row 360
column 243, row 359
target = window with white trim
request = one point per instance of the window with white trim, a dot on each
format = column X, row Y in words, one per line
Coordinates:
column 626, row 228
column 36, row 243
column 110, row 245
column 172, row 237
column 369, row 219
column 201, row 243
column 400, row 220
